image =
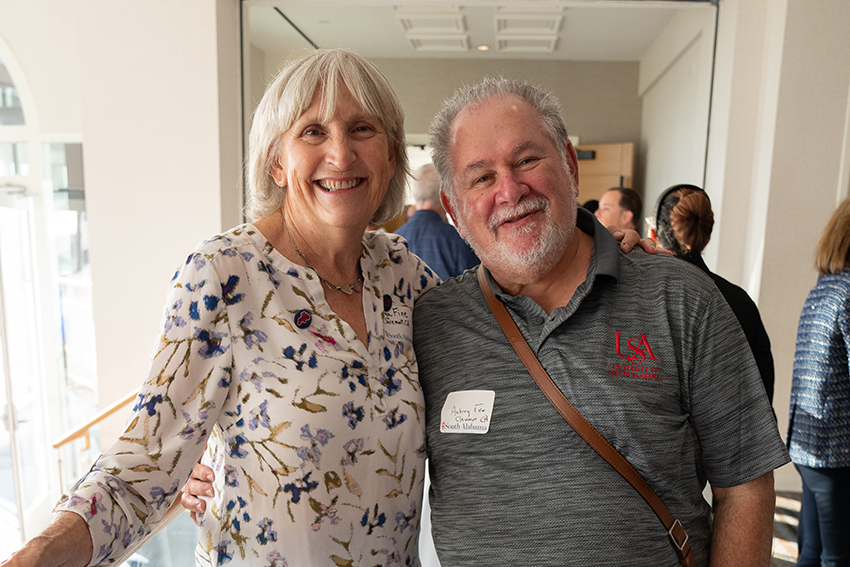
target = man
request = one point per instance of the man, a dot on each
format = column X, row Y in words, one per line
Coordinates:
column 626, row 338
column 428, row 234
column 620, row 207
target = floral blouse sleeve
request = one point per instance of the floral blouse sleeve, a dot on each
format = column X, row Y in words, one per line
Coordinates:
column 130, row 488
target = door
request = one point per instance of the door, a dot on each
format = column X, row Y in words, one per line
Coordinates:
column 24, row 474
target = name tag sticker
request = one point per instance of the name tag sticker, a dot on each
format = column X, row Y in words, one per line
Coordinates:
column 468, row 411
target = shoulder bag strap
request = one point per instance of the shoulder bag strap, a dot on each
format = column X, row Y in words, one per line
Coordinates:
column 587, row 432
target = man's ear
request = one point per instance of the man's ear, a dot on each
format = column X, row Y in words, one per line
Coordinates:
column 447, row 205
column 629, row 217
column 572, row 161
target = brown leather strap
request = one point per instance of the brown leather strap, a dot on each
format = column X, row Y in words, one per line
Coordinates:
column 593, row 438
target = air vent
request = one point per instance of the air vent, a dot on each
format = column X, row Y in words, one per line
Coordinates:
column 431, row 22
column 528, row 24
column 526, row 44
column 433, row 42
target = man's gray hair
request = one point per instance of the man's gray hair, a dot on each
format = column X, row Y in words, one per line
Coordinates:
column 543, row 102
column 291, row 93
column 426, row 184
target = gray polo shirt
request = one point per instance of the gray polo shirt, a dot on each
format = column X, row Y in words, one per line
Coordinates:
column 649, row 353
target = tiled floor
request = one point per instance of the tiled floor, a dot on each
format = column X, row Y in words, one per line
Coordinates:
column 785, row 529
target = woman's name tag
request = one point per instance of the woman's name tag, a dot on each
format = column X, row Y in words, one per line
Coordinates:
column 468, row 411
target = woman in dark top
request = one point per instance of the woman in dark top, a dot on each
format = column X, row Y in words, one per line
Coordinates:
column 684, row 219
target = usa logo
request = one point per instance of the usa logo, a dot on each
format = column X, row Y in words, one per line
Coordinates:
column 639, row 356
column 303, row 319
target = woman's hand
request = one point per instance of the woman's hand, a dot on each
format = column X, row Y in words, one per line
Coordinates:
column 629, row 238
column 199, row 484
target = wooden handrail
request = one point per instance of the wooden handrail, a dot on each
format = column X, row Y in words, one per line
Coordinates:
column 83, row 429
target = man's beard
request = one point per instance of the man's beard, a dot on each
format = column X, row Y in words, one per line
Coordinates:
column 550, row 243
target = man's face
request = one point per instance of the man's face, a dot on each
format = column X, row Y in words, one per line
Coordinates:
column 514, row 197
column 610, row 213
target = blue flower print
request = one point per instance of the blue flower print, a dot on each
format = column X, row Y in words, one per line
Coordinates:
column 328, row 512
column 391, row 385
column 149, row 405
column 199, row 261
column 227, row 290
column 270, row 270
column 230, row 476
column 299, row 486
column 251, row 336
column 173, row 319
column 221, row 551
column 159, row 494
column 210, row 302
column 235, row 447
column 259, row 417
column 194, row 314
column 404, row 520
column 275, row 560
column 352, row 448
column 266, row 534
column 379, row 520
column 394, row 418
column 311, row 452
column 354, row 415
column 212, row 343
column 290, row 353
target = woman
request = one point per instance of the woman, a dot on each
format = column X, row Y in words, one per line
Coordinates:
column 286, row 346
column 819, row 420
column 684, row 219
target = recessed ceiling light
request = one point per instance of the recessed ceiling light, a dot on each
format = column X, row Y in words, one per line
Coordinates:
column 482, row 47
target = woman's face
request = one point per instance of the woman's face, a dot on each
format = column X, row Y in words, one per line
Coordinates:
column 336, row 171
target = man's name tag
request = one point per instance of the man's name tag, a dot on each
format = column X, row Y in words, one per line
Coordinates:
column 468, row 411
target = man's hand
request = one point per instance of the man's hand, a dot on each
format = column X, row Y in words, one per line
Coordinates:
column 629, row 238
column 66, row 542
column 199, row 484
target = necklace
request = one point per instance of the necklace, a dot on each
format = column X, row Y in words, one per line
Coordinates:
column 346, row 289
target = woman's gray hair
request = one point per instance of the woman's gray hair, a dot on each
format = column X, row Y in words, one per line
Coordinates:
column 545, row 103
column 290, row 94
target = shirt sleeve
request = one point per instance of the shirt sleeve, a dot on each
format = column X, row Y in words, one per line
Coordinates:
column 733, row 420
column 131, row 486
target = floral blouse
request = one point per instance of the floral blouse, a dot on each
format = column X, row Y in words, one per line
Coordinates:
column 317, row 441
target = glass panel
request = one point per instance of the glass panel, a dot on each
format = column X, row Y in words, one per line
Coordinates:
column 13, row 158
column 25, row 417
column 11, row 113
column 74, row 324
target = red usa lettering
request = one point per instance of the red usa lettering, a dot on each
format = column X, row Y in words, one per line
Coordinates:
column 639, row 346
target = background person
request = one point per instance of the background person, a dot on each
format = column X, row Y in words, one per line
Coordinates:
column 429, row 235
column 620, row 207
column 285, row 348
column 819, row 419
column 684, row 220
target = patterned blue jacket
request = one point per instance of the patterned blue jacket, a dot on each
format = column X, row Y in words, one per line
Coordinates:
column 819, row 420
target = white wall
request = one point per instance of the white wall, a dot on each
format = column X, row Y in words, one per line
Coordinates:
column 153, row 89
column 675, row 86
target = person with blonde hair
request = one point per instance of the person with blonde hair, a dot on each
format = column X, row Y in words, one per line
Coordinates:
column 683, row 223
column 819, row 417
column 286, row 349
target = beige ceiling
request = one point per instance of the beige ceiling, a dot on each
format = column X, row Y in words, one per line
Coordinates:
column 589, row 30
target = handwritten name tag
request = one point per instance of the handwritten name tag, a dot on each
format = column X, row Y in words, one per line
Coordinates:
column 468, row 411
